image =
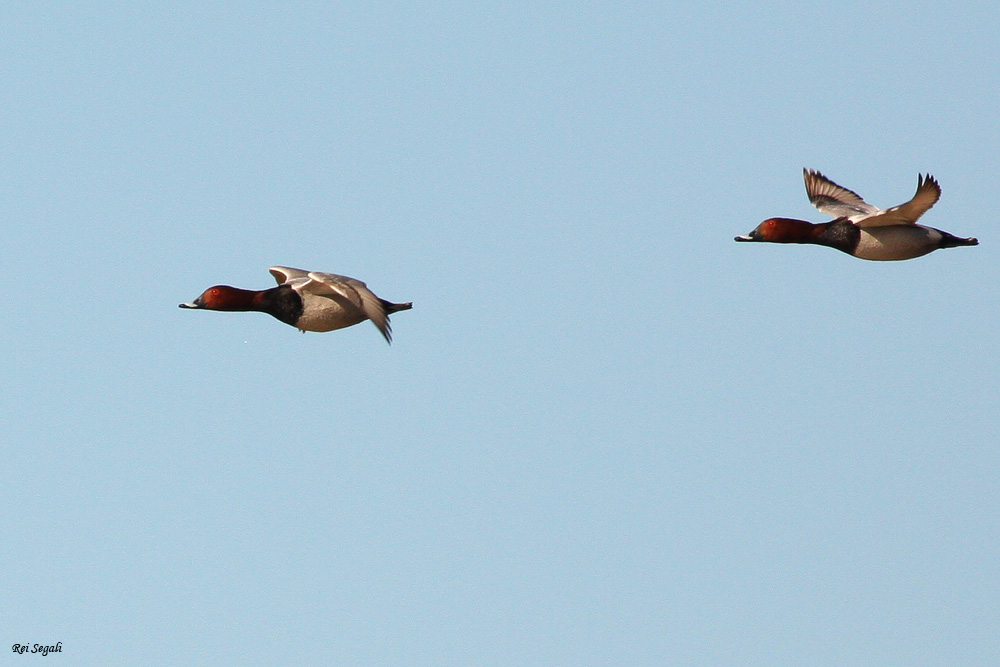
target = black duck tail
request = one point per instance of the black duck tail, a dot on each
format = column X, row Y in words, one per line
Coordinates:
column 391, row 307
column 950, row 241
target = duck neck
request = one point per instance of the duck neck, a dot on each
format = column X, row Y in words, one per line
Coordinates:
column 282, row 302
column 798, row 231
column 236, row 299
column 841, row 234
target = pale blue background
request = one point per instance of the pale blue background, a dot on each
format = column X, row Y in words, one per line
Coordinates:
column 606, row 434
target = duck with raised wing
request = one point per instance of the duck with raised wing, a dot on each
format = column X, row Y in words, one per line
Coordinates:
column 309, row 300
column 860, row 229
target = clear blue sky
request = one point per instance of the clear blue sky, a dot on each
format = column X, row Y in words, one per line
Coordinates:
column 606, row 434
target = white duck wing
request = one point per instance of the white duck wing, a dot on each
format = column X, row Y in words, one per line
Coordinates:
column 928, row 192
column 284, row 274
column 342, row 288
column 835, row 200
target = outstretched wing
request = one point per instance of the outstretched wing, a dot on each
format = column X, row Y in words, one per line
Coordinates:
column 342, row 288
column 928, row 192
column 835, row 200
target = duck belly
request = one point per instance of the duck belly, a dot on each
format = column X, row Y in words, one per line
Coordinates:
column 323, row 314
column 897, row 242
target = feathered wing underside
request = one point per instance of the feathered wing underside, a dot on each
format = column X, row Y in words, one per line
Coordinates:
column 355, row 293
column 835, row 200
column 283, row 274
column 928, row 192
